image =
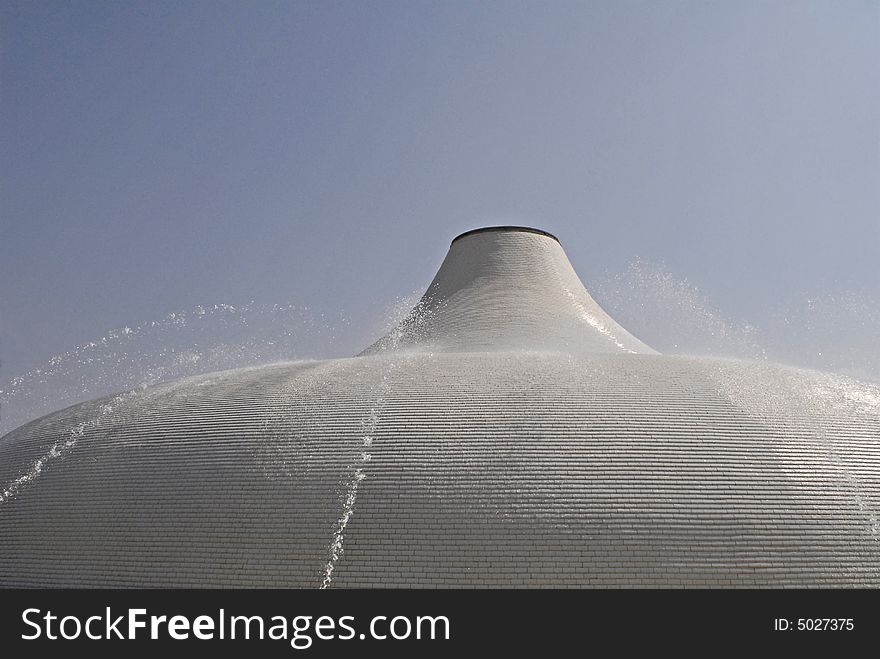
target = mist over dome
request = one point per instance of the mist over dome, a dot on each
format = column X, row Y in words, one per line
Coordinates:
column 507, row 433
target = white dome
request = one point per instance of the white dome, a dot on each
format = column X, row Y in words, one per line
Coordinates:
column 508, row 433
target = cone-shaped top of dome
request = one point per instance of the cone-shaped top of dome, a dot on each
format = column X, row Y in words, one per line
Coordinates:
column 508, row 288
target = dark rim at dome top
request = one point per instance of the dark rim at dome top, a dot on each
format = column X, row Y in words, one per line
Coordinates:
column 540, row 232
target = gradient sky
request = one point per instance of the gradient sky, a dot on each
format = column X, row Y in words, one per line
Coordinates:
column 160, row 155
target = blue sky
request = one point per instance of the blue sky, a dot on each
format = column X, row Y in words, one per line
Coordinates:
column 160, row 155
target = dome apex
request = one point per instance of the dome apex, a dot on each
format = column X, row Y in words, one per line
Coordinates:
column 508, row 228
column 508, row 288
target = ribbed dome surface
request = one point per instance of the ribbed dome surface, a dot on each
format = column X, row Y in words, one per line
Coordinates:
column 509, row 288
column 507, row 434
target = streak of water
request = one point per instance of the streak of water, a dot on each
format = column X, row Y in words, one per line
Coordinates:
column 201, row 340
column 336, row 544
column 64, row 446
column 370, row 424
column 811, row 404
column 831, row 332
column 593, row 322
column 672, row 315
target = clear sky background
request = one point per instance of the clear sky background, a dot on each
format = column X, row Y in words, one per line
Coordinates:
column 161, row 155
